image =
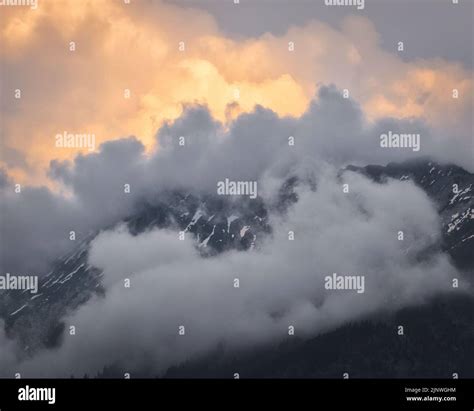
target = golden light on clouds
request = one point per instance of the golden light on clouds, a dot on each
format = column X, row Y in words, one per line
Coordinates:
column 119, row 47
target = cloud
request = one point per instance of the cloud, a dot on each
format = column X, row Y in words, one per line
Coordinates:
column 394, row 21
column 36, row 222
column 242, row 136
column 135, row 47
column 281, row 282
column 8, row 354
column 91, row 192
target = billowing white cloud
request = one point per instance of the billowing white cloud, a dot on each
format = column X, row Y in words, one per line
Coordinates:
column 252, row 147
column 281, row 283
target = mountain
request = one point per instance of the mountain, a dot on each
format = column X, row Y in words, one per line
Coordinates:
column 217, row 223
column 441, row 340
column 451, row 188
column 440, row 336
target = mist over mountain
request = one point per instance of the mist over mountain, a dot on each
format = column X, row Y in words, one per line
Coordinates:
column 89, row 194
column 165, row 272
column 236, row 189
column 176, row 282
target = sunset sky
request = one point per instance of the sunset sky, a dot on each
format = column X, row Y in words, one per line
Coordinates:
column 172, row 53
column 279, row 96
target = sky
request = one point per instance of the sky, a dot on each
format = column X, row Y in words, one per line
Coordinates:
column 424, row 24
column 235, row 56
column 236, row 81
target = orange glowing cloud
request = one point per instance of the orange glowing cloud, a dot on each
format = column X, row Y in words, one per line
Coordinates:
column 135, row 65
